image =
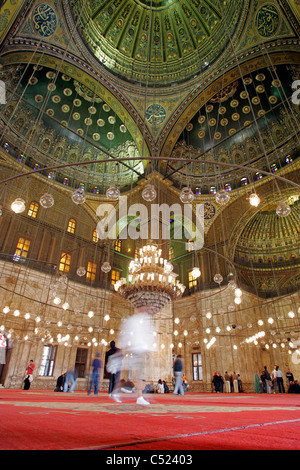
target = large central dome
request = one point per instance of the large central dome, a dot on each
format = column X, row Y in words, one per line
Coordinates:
column 157, row 42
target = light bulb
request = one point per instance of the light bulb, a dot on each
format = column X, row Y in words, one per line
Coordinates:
column 113, row 193
column 106, row 267
column 186, row 195
column 222, row 197
column 218, row 278
column 149, row 193
column 283, row 209
column 18, row 206
column 196, row 273
column 47, row 200
column 254, row 200
column 78, row 196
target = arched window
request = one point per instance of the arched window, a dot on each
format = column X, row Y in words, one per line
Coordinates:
column 22, row 249
column 33, row 209
column 91, row 271
column 118, row 245
column 95, row 236
column 171, row 252
column 71, row 226
column 64, row 263
column 115, row 276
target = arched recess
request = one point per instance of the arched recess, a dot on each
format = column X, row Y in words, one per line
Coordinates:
column 93, row 80
column 211, row 85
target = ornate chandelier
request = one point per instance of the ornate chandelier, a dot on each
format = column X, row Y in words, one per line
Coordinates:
column 151, row 281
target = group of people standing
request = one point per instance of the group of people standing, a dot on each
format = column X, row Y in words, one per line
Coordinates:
column 266, row 382
column 229, row 383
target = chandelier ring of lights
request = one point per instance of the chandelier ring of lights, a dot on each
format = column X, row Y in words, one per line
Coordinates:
column 154, row 159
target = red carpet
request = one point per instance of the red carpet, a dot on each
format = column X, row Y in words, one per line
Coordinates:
column 45, row 420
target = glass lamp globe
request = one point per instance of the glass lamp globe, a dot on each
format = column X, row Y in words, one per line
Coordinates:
column 187, row 195
column 18, row 206
column 238, row 300
column 149, row 193
column 254, row 200
column 283, row 209
column 47, row 200
column 81, row 271
column 113, row 193
column 168, row 268
column 196, row 273
column 218, row 278
column 106, row 267
column 78, row 196
column 1, row 211
column 222, row 197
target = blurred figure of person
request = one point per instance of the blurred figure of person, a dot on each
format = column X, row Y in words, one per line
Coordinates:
column 289, row 377
column 149, row 388
column 279, row 376
column 266, row 380
column 257, row 383
column 240, row 387
column 126, row 386
column 29, row 375
column 71, row 376
column 185, row 383
column 60, row 383
column 274, row 380
column 227, row 382
column 94, row 382
column 166, row 388
column 160, row 387
column 178, row 367
column 235, row 382
column 113, row 366
column 218, row 382
column 136, row 339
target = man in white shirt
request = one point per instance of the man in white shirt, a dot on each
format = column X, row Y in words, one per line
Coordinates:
column 274, row 379
column 279, row 377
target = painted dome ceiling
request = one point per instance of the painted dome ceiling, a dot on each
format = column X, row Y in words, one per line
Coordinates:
column 242, row 126
column 68, row 123
column 157, row 41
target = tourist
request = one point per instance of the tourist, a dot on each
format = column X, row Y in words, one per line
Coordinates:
column 257, row 383
column 29, row 375
column 94, row 382
column 279, row 377
column 289, row 377
column 178, row 366
column 113, row 367
column 227, row 382
column 71, row 375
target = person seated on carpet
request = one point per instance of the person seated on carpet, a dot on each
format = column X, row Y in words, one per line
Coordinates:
column 149, row 388
column 159, row 387
column 126, row 386
column 166, row 388
column 60, row 383
column 294, row 387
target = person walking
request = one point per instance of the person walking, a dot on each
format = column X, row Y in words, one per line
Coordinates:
column 178, row 367
column 115, row 371
column 94, row 382
column 274, row 380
